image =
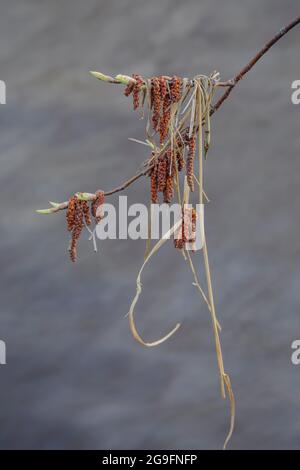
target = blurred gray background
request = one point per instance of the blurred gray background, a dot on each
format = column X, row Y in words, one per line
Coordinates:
column 75, row 378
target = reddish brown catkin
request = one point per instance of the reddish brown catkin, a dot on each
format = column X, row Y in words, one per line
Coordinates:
column 153, row 176
column 187, row 225
column 173, row 163
column 129, row 89
column 175, row 89
column 194, row 224
column 78, row 225
column 155, row 95
column 190, row 162
column 86, row 212
column 179, row 235
column 96, row 205
column 163, row 88
column 180, row 159
column 162, row 174
column 187, row 231
column 178, row 243
column 180, row 146
column 70, row 214
column 169, row 190
column 165, row 119
column 136, row 90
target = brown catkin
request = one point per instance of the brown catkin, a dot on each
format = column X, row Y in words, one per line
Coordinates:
column 187, row 225
column 153, row 176
column 86, row 212
column 78, row 224
column 175, row 89
column 192, row 145
column 136, row 90
column 187, row 232
column 162, row 173
column 165, row 119
column 129, row 89
column 156, row 102
column 77, row 229
column 180, row 146
column 173, row 163
column 70, row 215
column 190, row 173
column 169, row 190
column 178, row 243
column 194, row 223
column 190, row 226
column 190, row 162
column 179, row 235
column 73, row 249
column 96, row 205
column 180, row 159
column 163, row 88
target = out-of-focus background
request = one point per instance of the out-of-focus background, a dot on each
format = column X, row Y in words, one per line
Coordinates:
column 75, row 378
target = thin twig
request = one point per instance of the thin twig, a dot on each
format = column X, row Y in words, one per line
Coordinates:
column 252, row 62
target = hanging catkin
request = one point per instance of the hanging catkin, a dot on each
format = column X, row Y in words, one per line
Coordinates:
column 161, row 173
column 153, row 176
column 77, row 229
column 187, row 232
column 175, row 89
column 190, row 161
column 129, row 88
column 165, row 119
column 96, row 207
column 70, row 214
column 169, row 190
column 162, row 87
column 136, row 90
column 86, row 212
column 156, row 102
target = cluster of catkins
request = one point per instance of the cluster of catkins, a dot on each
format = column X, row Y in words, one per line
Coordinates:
column 164, row 166
column 164, row 92
column 78, row 213
column 162, row 175
column 187, row 230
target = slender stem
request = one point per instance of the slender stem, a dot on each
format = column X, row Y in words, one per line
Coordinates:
column 197, row 282
column 253, row 61
column 214, row 318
